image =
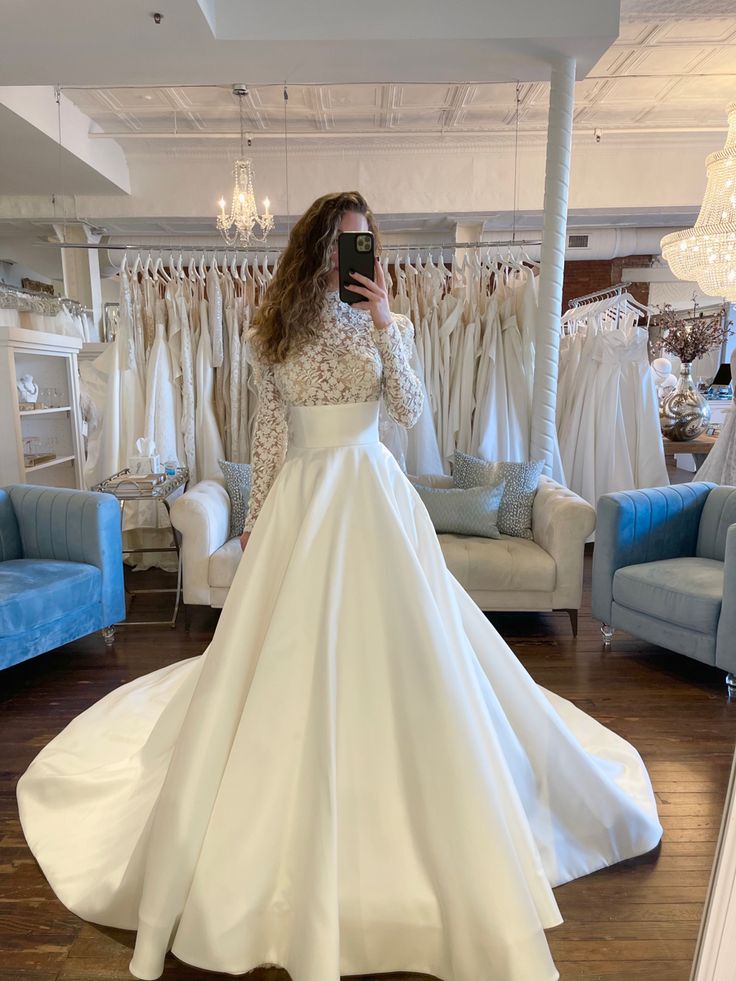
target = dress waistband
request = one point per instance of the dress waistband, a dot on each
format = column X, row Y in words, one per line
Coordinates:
column 346, row 424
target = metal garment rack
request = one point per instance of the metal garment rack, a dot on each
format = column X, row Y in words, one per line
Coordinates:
column 187, row 247
column 599, row 294
column 52, row 299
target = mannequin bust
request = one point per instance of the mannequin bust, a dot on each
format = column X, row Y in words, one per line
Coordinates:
column 27, row 389
column 663, row 377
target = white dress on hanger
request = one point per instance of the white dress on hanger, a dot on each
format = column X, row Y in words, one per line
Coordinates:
column 491, row 404
column 720, row 464
column 517, row 383
column 188, row 392
column 443, row 363
column 422, row 454
column 208, row 438
column 161, row 420
column 357, row 775
column 114, row 384
column 641, row 411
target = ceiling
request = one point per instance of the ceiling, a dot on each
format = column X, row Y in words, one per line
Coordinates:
column 662, row 74
column 671, row 70
column 212, row 41
column 28, row 162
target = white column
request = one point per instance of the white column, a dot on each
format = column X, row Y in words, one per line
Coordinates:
column 556, row 185
column 81, row 268
column 469, row 232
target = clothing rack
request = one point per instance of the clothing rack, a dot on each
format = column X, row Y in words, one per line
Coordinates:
column 600, row 294
column 392, row 247
column 192, row 247
column 38, row 301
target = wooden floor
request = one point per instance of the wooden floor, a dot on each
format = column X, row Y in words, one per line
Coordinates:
column 638, row 920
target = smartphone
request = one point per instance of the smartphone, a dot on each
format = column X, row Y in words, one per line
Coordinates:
column 355, row 252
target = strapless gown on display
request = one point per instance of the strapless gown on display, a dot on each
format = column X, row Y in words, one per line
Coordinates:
column 356, row 776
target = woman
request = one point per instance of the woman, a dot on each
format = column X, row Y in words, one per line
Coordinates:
column 357, row 775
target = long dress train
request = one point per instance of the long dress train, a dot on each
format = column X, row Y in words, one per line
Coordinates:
column 357, row 775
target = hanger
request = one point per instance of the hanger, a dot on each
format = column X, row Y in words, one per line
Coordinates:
column 159, row 273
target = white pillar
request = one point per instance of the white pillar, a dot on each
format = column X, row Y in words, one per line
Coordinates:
column 81, row 268
column 556, row 185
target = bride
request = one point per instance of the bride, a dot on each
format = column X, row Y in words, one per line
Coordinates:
column 357, row 775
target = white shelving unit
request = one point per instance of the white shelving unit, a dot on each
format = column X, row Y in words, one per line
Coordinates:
column 52, row 361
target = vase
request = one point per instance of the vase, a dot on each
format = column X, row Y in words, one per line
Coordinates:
column 684, row 413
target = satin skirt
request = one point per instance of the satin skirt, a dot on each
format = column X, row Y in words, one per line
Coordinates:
column 356, row 776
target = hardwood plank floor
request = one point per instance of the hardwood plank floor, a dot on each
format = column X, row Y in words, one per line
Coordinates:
column 637, row 920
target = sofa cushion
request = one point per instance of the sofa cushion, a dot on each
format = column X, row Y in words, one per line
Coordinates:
column 506, row 564
column 224, row 564
column 685, row 591
column 461, row 511
column 35, row 591
column 477, row 563
column 237, row 478
column 521, row 482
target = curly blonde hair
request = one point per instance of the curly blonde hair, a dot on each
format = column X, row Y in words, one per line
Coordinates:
column 286, row 316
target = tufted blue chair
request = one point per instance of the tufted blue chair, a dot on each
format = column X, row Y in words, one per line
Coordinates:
column 664, row 569
column 61, row 568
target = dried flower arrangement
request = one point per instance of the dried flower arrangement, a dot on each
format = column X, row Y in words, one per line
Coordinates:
column 689, row 338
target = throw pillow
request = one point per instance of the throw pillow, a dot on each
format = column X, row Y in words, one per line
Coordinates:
column 237, row 484
column 521, row 479
column 463, row 512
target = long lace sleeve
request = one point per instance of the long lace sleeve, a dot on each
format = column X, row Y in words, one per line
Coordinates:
column 404, row 396
column 269, row 440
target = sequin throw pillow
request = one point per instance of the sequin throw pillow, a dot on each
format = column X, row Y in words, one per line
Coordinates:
column 237, row 484
column 521, row 480
column 463, row 512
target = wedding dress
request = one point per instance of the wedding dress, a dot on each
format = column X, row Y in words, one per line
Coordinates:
column 208, row 439
column 720, row 464
column 357, row 775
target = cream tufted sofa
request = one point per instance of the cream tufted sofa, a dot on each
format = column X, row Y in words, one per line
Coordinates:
column 512, row 574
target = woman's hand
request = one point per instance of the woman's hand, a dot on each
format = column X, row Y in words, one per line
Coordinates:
column 376, row 297
column 244, row 539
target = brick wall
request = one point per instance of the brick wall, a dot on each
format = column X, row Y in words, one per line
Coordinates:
column 587, row 275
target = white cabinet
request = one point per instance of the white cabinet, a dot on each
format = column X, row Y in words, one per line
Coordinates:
column 52, row 361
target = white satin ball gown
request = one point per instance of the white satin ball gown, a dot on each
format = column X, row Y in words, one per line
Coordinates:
column 357, row 775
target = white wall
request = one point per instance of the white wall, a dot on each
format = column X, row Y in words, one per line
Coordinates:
column 417, row 178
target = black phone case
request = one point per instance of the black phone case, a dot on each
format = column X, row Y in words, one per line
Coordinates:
column 349, row 258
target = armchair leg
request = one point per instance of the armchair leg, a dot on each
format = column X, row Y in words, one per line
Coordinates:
column 607, row 633
column 108, row 634
column 731, row 684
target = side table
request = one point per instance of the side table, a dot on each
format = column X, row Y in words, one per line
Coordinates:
column 126, row 486
column 699, row 448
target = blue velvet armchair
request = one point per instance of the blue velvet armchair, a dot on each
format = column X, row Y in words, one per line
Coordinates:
column 61, row 568
column 664, row 569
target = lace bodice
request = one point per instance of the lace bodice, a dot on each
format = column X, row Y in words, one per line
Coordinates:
column 350, row 360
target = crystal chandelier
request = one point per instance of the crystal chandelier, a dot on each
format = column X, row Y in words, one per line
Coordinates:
column 237, row 225
column 707, row 252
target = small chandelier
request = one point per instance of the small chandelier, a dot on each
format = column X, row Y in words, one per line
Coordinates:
column 237, row 225
column 707, row 252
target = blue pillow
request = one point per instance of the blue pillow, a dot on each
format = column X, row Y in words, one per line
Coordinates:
column 463, row 512
column 521, row 479
column 237, row 484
